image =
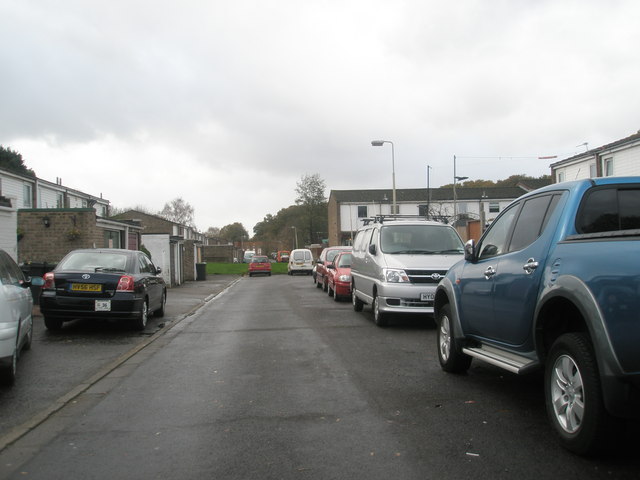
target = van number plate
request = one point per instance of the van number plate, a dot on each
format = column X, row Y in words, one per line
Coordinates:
column 427, row 297
column 103, row 305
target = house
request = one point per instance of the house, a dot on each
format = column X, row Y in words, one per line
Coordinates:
column 619, row 158
column 42, row 221
column 174, row 247
column 474, row 207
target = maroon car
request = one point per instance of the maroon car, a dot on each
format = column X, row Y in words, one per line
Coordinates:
column 339, row 276
column 326, row 257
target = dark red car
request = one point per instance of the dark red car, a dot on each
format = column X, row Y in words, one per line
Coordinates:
column 339, row 276
column 326, row 257
column 259, row 264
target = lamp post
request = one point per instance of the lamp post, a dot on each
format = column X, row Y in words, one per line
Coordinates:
column 455, row 196
column 379, row 143
column 295, row 233
column 428, row 192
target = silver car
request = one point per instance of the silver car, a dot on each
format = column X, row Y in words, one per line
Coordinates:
column 16, row 321
column 397, row 264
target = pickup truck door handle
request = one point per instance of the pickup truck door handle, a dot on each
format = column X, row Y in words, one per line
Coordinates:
column 489, row 272
column 530, row 266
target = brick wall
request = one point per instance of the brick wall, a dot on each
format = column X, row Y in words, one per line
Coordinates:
column 151, row 223
column 49, row 244
column 217, row 253
column 333, row 221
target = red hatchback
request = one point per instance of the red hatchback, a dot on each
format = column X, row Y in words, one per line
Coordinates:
column 326, row 257
column 339, row 276
column 259, row 264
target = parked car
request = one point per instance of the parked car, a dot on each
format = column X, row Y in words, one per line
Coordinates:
column 282, row 256
column 326, row 256
column 339, row 276
column 398, row 262
column 16, row 321
column 103, row 284
column 300, row 261
column 553, row 285
column 259, row 264
column 248, row 255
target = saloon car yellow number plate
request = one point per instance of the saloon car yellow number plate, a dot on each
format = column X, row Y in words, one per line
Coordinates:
column 86, row 287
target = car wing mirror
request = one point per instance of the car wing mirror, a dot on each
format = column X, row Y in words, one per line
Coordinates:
column 36, row 281
column 470, row 251
column 372, row 249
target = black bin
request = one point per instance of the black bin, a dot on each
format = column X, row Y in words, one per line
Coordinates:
column 201, row 271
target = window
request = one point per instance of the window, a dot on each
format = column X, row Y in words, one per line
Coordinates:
column 362, row 211
column 59, row 200
column 609, row 209
column 27, row 196
column 608, row 167
column 495, row 240
column 112, row 239
column 494, row 207
column 560, row 177
column 593, row 173
column 530, row 222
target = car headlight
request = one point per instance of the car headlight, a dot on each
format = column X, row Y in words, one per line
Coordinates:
column 344, row 278
column 392, row 275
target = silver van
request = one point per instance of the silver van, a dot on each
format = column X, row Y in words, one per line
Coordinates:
column 398, row 262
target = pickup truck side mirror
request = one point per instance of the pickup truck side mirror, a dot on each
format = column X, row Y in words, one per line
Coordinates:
column 470, row 251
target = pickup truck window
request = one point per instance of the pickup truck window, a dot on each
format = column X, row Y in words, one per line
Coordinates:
column 532, row 220
column 609, row 209
column 495, row 240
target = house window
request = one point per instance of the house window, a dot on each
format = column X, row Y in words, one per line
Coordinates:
column 112, row 239
column 593, row 173
column 59, row 200
column 608, row 167
column 494, row 207
column 362, row 211
column 27, row 196
column 560, row 177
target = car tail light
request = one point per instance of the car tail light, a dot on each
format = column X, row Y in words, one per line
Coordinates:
column 49, row 280
column 125, row 284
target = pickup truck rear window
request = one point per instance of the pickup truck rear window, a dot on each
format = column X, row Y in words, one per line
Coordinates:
column 609, row 209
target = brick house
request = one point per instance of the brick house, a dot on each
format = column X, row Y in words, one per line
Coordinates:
column 174, row 247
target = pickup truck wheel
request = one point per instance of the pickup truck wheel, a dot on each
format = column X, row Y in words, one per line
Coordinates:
column 573, row 394
column 380, row 319
column 357, row 303
column 450, row 354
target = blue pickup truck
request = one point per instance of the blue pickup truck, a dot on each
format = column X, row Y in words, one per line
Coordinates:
column 554, row 284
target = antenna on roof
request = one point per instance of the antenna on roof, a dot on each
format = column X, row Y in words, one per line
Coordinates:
column 585, row 145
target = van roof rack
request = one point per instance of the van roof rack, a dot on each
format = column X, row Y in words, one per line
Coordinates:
column 391, row 217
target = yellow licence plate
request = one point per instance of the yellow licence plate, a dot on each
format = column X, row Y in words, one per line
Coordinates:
column 86, row 287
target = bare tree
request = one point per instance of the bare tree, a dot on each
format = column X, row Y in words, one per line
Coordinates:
column 178, row 211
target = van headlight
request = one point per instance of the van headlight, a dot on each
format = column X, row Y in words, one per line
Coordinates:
column 393, row 275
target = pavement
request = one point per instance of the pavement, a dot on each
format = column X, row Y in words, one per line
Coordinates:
column 182, row 301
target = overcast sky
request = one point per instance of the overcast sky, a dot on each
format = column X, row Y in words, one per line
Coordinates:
column 228, row 103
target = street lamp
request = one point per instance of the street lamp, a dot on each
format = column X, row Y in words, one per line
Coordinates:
column 428, row 192
column 455, row 196
column 295, row 232
column 379, row 143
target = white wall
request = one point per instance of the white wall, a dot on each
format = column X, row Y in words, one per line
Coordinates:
column 158, row 245
column 8, row 225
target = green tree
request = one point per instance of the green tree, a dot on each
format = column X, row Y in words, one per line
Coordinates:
column 310, row 196
column 234, row 232
column 178, row 211
column 12, row 161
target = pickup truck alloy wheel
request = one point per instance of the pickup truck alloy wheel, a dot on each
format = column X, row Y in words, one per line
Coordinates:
column 573, row 394
column 357, row 303
column 449, row 353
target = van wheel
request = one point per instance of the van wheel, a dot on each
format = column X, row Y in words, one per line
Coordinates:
column 357, row 303
column 450, row 354
column 380, row 319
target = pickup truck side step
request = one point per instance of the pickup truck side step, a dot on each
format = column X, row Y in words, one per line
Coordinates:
column 507, row 360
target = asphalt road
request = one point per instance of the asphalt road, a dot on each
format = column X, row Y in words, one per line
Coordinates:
column 273, row 379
